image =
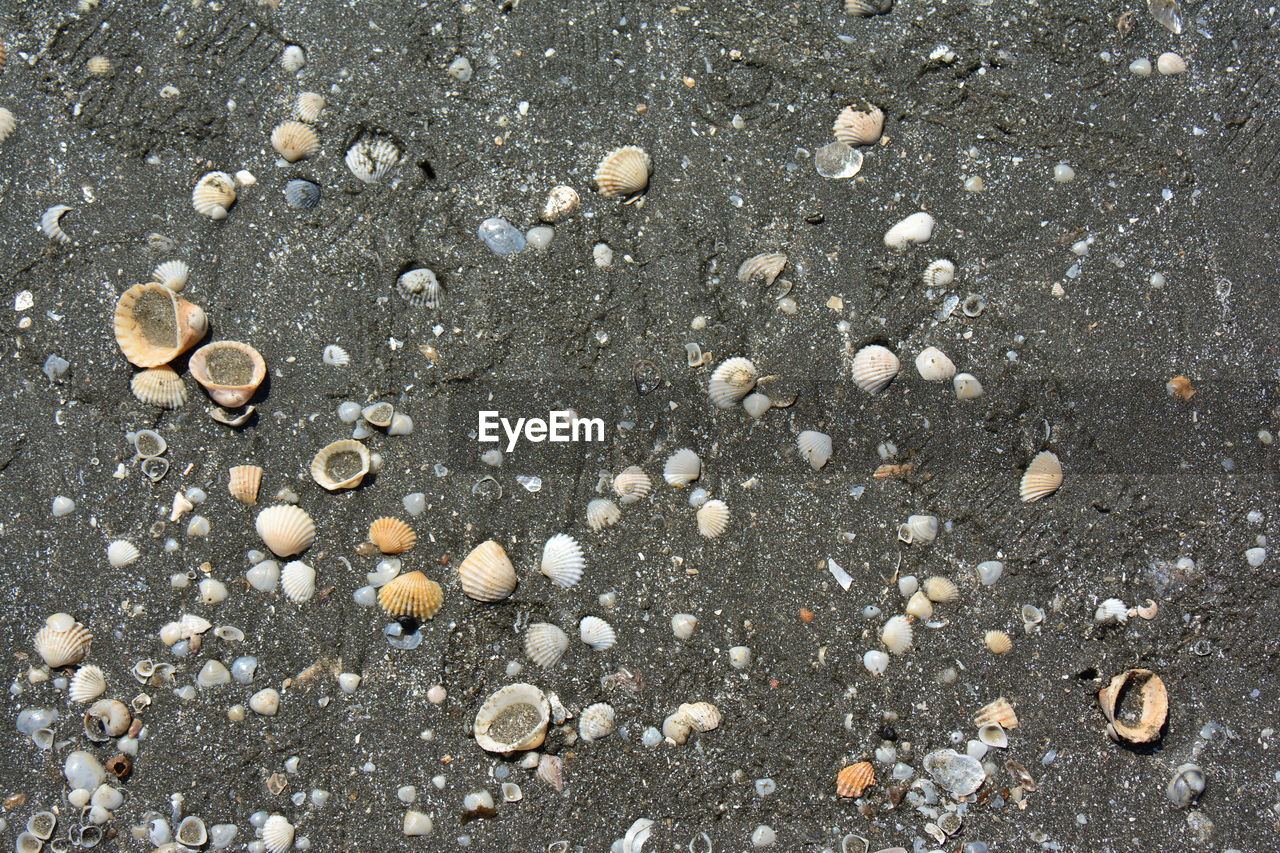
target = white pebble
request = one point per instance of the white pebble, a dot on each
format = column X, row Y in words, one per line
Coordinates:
column 63, row 505
column 740, row 657
column 1140, row 67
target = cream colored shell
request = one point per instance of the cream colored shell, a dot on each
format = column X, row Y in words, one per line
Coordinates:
column 682, row 468
column 814, row 447
column 732, row 380
column 940, row 590
column 713, row 518
column 562, row 202
column 766, row 267
column 597, row 633
column 50, row 223
column 1042, row 478
column 87, row 684
column 545, row 643
column 392, row 536
column 998, row 642
column 243, row 482
column 172, row 274
column 874, row 367
column 897, row 634
column 309, row 106
column 602, row 513
column 597, row 721
column 153, row 325
column 277, row 834
column 228, row 391
column 562, row 560
column 121, row 553
column 286, row 529
column 332, row 478
column 933, row 365
column 859, row 127
column 940, row 273
column 161, row 387
column 7, row 124
column 623, row 172
column 370, row 159
column 294, row 140
column 1000, row 712
column 214, row 194
column 919, row 605
column 487, row 574
column 62, row 641
column 493, row 726
column 298, row 581
column 632, row 484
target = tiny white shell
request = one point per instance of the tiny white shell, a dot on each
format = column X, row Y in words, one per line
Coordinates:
column 876, row 662
column 172, row 274
column 993, row 734
column 933, row 365
column 87, row 684
column 545, row 643
column 632, row 484
column 214, row 194
column 298, row 581
column 756, row 404
column 420, row 287
column 277, row 834
column 732, row 380
column 1042, row 478
column 916, row 228
column 767, row 267
column 1111, row 611
column 335, row 356
column 713, row 518
column 921, row 529
column 602, row 513
column 967, row 386
column 940, row 273
column 815, row 447
column 562, row 560
column 49, row 223
column 597, row 633
column 682, row 468
column 874, row 367
column 122, row 552
column 597, row 721
column 897, row 634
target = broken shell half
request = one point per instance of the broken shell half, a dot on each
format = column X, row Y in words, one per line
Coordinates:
column 854, row 779
column 874, row 367
column 153, row 325
column 859, row 127
column 411, row 594
column 62, row 641
column 623, row 172
column 514, row 718
column 229, row 371
column 340, row 465
column 244, row 482
column 286, row 529
column 487, row 574
column 1042, row 478
column 993, row 734
column 1154, row 710
column 766, row 267
column 1000, row 712
column 732, row 380
column 214, row 194
column 160, row 387
column 392, row 536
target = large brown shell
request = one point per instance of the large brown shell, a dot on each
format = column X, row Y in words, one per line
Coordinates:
column 411, row 594
column 1155, row 706
column 153, row 325
column 854, row 779
column 392, row 536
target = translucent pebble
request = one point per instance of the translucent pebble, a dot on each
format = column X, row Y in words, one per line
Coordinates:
column 531, row 484
column 698, row 497
column 500, row 236
column 401, row 424
column 989, row 571
column 82, row 770
column 397, row 639
column 460, row 69
column 319, row 797
column 348, row 682
column 407, row 793
column 539, row 237
column 740, row 657
column 764, row 836
column 415, row 504
column 349, row 412
column 264, row 576
column 1255, row 556
column 1140, row 67
column 365, row 596
column 907, row 585
column 63, row 506
column 55, row 367
column 683, row 624
column 975, row 847
column 1157, row 280
column 651, row 737
column 837, row 160
column 886, row 754
column 765, row 787
column 870, row 612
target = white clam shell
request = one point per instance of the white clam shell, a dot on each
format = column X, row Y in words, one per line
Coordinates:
column 513, row 718
column 161, row 387
column 682, row 468
column 713, row 518
column 916, row 228
column 897, row 634
column 214, row 194
column 767, row 267
column 62, row 641
column 7, row 124
column 602, row 513
column 597, row 721
column 370, row 159
column 335, row 356
column 632, row 484
column 702, row 716
column 940, row 590
column 1042, row 478
column 277, row 834
column 49, row 223
column 876, row 662
column 756, row 404
column 859, row 127
column 298, row 581
column 122, row 552
column 874, row 367
column 486, row 574
column 294, row 140
column 919, row 529
column 309, row 106
column 732, row 380
column 993, row 734
column 1111, row 611
column 597, row 633
column 545, row 643
column 87, row 684
column 933, row 365
column 919, row 605
column 814, row 447
column 562, row 560
column 286, row 529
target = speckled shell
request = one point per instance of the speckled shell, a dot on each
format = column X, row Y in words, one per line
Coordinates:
column 562, row 560
column 214, row 194
column 1000, row 712
column 597, row 721
column 161, row 387
column 545, row 643
column 189, row 326
column 997, row 642
column 420, row 287
column 232, row 396
column 940, row 590
column 562, row 202
column 87, row 684
column 766, row 266
column 60, row 646
column 602, row 513
column 7, row 124
column 277, row 834
column 732, row 380
column 298, row 581
column 309, row 106
column 597, row 633
column 243, row 482
column 859, row 127
column 854, row 779
column 814, row 447
column 682, row 468
column 172, row 274
column 392, row 536
column 500, row 701
column 713, row 518
column 1042, row 478
column 121, row 553
column 897, row 634
column 50, row 223
column 320, row 465
column 294, row 140
column 286, row 529
column 874, row 367
column 487, row 574
column 940, row 273
column 370, row 159
column 933, row 365
column 632, row 484
column 623, row 172
column 411, row 594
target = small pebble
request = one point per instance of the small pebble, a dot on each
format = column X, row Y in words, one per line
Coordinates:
column 1140, row 67
column 499, row 235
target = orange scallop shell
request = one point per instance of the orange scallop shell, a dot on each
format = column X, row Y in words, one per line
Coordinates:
column 412, row 594
column 854, row 779
column 392, row 536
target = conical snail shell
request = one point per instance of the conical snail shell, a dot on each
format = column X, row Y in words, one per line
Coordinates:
column 229, row 370
column 153, row 325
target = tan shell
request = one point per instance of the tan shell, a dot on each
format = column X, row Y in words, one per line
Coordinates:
column 161, row 387
column 411, row 594
column 874, row 367
column 392, row 536
column 999, row 712
column 766, row 267
column 153, row 325
column 334, row 469
column 7, row 124
column 1155, row 706
column 294, row 140
column 1180, row 387
column 854, row 779
column 244, row 482
column 998, row 642
column 859, row 127
column 62, row 645
column 487, row 574
column 286, row 529
column 940, row 590
column 623, row 172
column 1042, row 478
column 309, row 106
column 713, row 518
column 214, row 194
column 229, row 370
column 632, row 484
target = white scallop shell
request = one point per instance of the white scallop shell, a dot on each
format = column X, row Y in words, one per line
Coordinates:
column 309, row 106
column 897, row 634
column 370, row 159
column 562, row 560
column 486, row 574
column 298, row 581
column 967, row 386
column 1042, row 477
column 597, row 721
column 293, row 58
column 682, row 468
column 286, row 529
column 602, row 513
column 277, row 834
column 815, row 447
column 87, row 684
column 916, row 228
column 632, row 484
column 756, row 404
column 859, row 127
column 172, row 274
column 294, row 140
column 713, row 518
column 623, row 172
column 1113, row 610
column 732, row 380
column 940, row 273
column 62, row 641
column 767, row 266
column 49, row 223
column 874, row 367
column 545, row 643
column 335, row 356
column 933, row 365
column 122, row 552
column 876, row 662
column 214, row 194
column 597, row 633
column 7, row 124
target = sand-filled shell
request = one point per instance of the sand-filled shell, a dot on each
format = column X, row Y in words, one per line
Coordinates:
column 766, row 267
column 243, row 482
column 814, row 447
column 286, row 529
column 874, row 367
column 1042, row 478
column 87, row 684
column 933, row 365
column 562, row 560
column 859, row 127
column 623, row 172
column 153, row 325
column 732, row 380
column 298, row 581
column 545, row 643
column 1154, row 711
column 121, row 553
column 370, row 159
column 940, row 590
column 897, row 634
column 597, row 721
column 682, row 468
column 993, row 735
column 392, row 536
column 602, row 513
column 230, row 371
column 597, row 633
column 277, row 834
column 713, row 518
column 487, row 574
column 999, row 712
column 309, row 106
column 411, row 594
column 340, row 465
column 854, row 779
column 62, row 641
column 294, row 140
column 214, row 194
column 632, row 484
column 513, row 718
column 160, row 387
column 998, row 642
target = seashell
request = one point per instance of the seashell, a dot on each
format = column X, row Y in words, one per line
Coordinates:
column 967, row 386
column 767, row 266
column 411, row 594
column 1155, row 706
column 997, row 642
column 244, row 482
column 859, row 127
column 756, row 404
column 993, row 734
column 370, row 159
column 153, row 325
column 392, row 536
column 42, row 824
column 106, row 719
column 874, row 367
column 897, row 634
column 623, row 172
column 340, row 465
column 121, row 553
column 973, row 305
column 335, row 356
column 940, row 590
column 87, row 684
column 682, row 468
column 919, row 605
column 277, row 834
column 286, row 529
column 1187, row 784
column 815, row 447
column 1032, row 616
column 487, row 574
column 1180, row 387
column 940, row 273
column 854, row 779
column 229, row 371
column 302, row 193
column 62, row 641
column 1147, row 611
column 298, row 581
column 597, row 721
column 545, row 643
column 420, row 287
column 602, row 513
column 172, row 274
column 933, row 365
column 677, row 728
column 293, row 58
column 867, row 8
column 49, row 223
column 916, row 228
column 379, row 414
column 631, row 484
column 1111, row 611
column 702, row 716
column 231, row 419
column 562, row 202
column 154, row 468
column 7, row 124
column 713, row 518
column 921, row 529
column 309, row 106
column 732, row 380
column 1000, row 712
column 1170, row 63
column 562, row 560
column 513, row 718
column 597, row 633
column 214, row 194
column 1042, row 477
column 191, row 832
